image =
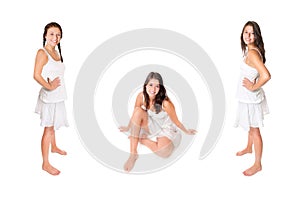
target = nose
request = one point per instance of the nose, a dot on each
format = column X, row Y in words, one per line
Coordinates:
column 153, row 88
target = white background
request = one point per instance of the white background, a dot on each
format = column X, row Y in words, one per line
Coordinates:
column 216, row 27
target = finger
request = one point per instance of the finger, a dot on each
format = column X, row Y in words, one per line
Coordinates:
column 57, row 79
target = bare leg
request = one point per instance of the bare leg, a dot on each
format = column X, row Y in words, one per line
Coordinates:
column 139, row 119
column 248, row 148
column 45, row 144
column 54, row 148
column 258, row 146
column 163, row 147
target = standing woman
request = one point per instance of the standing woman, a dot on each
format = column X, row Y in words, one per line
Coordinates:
column 49, row 73
column 252, row 104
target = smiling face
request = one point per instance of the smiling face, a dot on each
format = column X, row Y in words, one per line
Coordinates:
column 53, row 36
column 152, row 88
column 248, row 35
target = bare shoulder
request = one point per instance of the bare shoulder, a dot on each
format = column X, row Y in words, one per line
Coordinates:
column 140, row 95
column 167, row 103
column 253, row 55
column 41, row 52
column 254, row 59
column 40, row 60
column 41, row 55
column 139, row 99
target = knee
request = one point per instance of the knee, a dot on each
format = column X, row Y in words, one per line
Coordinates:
column 255, row 132
column 138, row 112
column 49, row 131
column 166, row 154
column 165, row 151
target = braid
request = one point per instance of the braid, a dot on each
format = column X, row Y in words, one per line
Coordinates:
column 59, row 49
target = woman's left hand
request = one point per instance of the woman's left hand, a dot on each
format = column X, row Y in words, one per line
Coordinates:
column 191, row 132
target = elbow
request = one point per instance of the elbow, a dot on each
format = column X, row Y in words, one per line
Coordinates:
column 35, row 77
column 179, row 124
column 268, row 77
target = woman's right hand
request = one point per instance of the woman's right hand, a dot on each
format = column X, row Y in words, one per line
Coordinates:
column 124, row 128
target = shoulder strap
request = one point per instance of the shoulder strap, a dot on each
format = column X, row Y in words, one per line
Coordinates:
column 47, row 53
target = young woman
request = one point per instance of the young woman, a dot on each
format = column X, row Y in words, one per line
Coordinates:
column 49, row 73
column 252, row 104
column 154, row 116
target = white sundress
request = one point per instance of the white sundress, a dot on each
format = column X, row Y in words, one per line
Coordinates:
column 50, row 104
column 252, row 105
column 161, row 125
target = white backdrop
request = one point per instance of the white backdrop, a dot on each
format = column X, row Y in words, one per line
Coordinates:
column 216, row 26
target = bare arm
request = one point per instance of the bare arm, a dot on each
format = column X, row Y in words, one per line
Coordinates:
column 139, row 100
column 40, row 60
column 170, row 109
column 138, row 104
column 254, row 60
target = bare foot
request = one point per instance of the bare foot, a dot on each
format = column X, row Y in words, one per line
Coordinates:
column 59, row 151
column 240, row 153
column 50, row 169
column 123, row 129
column 252, row 170
column 130, row 162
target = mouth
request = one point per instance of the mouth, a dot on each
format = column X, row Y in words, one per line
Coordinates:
column 54, row 41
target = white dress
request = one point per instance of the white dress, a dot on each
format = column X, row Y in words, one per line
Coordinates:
column 252, row 105
column 161, row 125
column 50, row 104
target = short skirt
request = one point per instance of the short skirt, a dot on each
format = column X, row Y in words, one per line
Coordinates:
column 160, row 125
column 251, row 114
column 52, row 114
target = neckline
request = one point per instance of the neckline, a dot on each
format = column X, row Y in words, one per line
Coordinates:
column 49, row 55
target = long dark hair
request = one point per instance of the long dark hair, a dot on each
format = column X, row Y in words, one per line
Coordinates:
column 50, row 25
column 258, row 39
column 161, row 95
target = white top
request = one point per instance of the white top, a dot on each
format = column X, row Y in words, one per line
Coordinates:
column 243, row 94
column 51, row 70
column 160, row 124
